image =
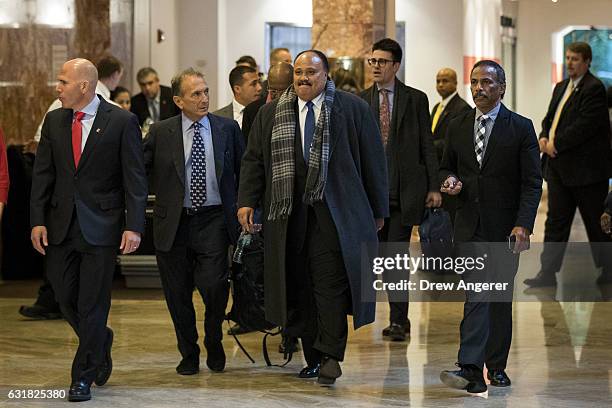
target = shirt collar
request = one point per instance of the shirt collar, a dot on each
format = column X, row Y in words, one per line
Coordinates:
column 186, row 123
column 103, row 90
column 577, row 80
column 317, row 101
column 92, row 107
column 492, row 114
column 446, row 100
column 156, row 99
column 237, row 106
column 390, row 87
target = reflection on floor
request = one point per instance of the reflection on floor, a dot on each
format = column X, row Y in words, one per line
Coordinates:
column 561, row 357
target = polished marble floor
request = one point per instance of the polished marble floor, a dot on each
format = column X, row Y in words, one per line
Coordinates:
column 561, row 356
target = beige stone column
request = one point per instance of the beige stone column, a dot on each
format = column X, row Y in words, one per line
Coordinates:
column 92, row 34
column 346, row 29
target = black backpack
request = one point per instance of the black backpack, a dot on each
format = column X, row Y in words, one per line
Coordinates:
column 436, row 234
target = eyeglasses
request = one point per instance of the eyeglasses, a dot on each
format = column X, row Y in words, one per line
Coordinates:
column 381, row 62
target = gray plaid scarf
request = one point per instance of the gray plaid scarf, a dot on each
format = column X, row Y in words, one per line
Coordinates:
column 283, row 153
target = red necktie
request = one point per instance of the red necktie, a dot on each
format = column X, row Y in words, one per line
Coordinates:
column 77, row 130
column 385, row 117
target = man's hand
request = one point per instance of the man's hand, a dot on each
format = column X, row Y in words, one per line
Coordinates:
column 245, row 217
column 39, row 238
column 130, row 241
column 606, row 223
column 550, row 149
column 380, row 223
column 543, row 142
column 433, row 199
column 522, row 239
column 451, row 186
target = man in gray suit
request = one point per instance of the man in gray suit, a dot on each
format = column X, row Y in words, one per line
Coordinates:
column 246, row 88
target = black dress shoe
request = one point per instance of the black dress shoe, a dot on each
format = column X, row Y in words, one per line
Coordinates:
column 329, row 371
column 397, row 332
column 188, row 366
column 238, row 330
column 498, row 378
column 215, row 359
column 79, row 391
column 541, row 280
column 106, row 368
column 37, row 312
column 387, row 330
column 309, row 372
column 468, row 378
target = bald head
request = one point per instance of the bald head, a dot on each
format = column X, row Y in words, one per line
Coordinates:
column 446, row 82
column 76, row 83
column 280, row 76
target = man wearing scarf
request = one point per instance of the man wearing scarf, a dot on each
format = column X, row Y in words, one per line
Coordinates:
column 315, row 161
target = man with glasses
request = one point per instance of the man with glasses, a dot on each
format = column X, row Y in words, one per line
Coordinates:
column 315, row 160
column 403, row 117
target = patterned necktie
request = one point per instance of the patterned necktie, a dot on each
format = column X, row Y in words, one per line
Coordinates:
column 566, row 95
column 385, row 116
column 480, row 138
column 77, row 134
column 309, row 129
column 197, row 192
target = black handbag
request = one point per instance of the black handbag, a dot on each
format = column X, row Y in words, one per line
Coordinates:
column 436, row 235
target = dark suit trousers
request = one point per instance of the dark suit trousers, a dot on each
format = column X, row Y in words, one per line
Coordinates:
column 486, row 328
column 197, row 259
column 562, row 203
column 81, row 275
column 317, row 277
column 395, row 231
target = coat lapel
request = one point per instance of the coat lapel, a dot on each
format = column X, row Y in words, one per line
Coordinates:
column 66, row 129
column 219, row 140
column 467, row 129
column 399, row 105
column 96, row 132
column 496, row 133
column 178, row 150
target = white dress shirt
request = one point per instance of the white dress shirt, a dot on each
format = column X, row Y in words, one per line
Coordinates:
column 238, row 110
column 303, row 110
column 90, row 111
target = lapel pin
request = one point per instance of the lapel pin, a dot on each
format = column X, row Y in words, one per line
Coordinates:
column 98, row 130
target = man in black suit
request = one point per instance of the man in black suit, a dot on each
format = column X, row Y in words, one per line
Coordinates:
column 315, row 163
column 441, row 114
column 575, row 140
column 155, row 100
column 88, row 199
column 450, row 106
column 491, row 163
column 195, row 161
column 403, row 118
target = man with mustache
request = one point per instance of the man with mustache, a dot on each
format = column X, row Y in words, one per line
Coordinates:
column 491, row 163
column 577, row 162
column 315, row 160
column 195, row 161
column 403, row 118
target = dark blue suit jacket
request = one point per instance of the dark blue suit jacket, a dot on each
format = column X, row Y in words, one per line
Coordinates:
column 165, row 160
column 109, row 179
